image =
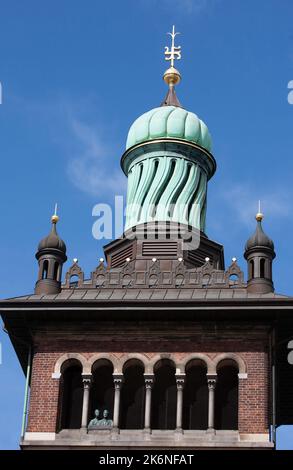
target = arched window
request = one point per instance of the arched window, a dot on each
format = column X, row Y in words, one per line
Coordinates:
column 164, row 396
column 262, row 267
column 233, row 280
column 56, row 270
column 251, row 269
column 102, row 389
column 206, row 279
column 45, row 269
column 195, row 396
column 132, row 396
column 73, row 281
column 71, row 395
column 226, row 399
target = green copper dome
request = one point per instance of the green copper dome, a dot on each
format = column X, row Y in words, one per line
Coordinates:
column 169, row 122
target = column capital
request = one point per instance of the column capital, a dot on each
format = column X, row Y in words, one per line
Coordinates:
column 86, row 379
column 212, row 380
column 118, row 380
column 180, row 380
column 149, row 380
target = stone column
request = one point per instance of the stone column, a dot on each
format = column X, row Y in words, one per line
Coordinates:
column 118, row 380
column 211, row 413
column 149, row 381
column 86, row 379
column 180, row 384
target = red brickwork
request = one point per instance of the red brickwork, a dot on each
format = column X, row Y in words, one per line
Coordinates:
column 253, row 391
column 43, row 405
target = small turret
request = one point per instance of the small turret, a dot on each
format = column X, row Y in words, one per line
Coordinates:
column 51, row 255
column 259, row 253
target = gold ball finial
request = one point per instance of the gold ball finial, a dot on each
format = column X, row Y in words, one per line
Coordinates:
column 259, row 216
column 54, row 219
column 172, row 76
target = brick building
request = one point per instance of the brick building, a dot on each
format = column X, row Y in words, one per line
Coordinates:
column 180, row 351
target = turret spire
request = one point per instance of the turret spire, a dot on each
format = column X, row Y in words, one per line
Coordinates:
column 51, row 255
column 259, row 215
column 259, row 253
column 172, row 76
column 55, row 217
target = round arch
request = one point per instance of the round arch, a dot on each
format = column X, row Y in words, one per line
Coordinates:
column 195, row 395
column 242, row 368
column 132, row 400
column 102, row 387
column 65, row 357
column 109, row 357
column 197, row 356
column 164, row 395
column 160, row 357
column 135, row 356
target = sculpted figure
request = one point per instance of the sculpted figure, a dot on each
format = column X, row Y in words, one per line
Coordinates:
column 95, row 422
column 105, row 421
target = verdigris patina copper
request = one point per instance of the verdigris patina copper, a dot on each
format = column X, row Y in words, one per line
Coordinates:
column 100, row 423
column 95, row 422
column 105, row 422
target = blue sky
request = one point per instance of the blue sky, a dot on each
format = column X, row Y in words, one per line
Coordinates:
column 76, row 74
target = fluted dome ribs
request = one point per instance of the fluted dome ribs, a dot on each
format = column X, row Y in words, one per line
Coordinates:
column 169, row 122
column 52, row 241
column 259, row 239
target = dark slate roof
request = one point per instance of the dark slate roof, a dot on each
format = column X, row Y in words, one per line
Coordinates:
column 259, row 239
column 146, row 294
column 52, row 241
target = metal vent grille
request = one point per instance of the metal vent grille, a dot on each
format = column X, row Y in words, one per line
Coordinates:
column 197, row 257
column 159, row 249
column 118, row 259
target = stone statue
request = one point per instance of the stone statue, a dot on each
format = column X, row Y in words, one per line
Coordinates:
column 95, row 422
column 105, row 422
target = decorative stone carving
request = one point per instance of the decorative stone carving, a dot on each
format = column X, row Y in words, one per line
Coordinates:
column 180, row 268
column 212, row 384
column 127, row 280
column 234, row 270
column 74, row 270
column 180, row 383
column 99, row 276
column 155, row 268
column 128, row 267
column 126, row 276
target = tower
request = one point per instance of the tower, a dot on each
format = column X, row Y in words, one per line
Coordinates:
column 51, row 255
column 160, row 346
column 259, row 253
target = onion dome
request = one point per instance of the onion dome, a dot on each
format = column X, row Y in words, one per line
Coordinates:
column 51, row 255
column 167, row 160
column 52, row 241
column 259, row 239
column 259, row 254
column 169, row 122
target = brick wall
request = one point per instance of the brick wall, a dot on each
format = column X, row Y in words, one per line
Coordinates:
column 253, row 391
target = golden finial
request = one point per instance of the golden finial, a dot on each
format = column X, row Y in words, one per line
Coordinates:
column 55, row 218
column 172, row 76
column 259, row 216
